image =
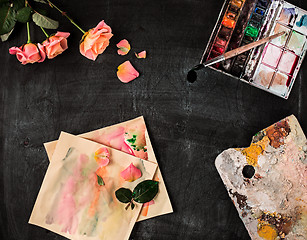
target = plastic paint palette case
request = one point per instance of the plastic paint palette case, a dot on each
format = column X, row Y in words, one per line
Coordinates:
column 272, row 67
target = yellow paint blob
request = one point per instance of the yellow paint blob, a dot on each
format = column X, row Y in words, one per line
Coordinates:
column 254, row 150
column 267, row 231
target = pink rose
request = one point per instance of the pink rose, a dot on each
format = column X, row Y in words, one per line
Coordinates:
column 95, row 41
column 29, row 53
column 56, row 44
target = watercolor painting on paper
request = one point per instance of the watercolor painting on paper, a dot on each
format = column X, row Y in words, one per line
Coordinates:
column 130, row 137
column 267, row 181
column 77, row 198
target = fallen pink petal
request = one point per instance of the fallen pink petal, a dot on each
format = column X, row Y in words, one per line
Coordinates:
column 126, row 72
column 102, row 156
column 131, row 173
column 141, row 54
column 124, row 47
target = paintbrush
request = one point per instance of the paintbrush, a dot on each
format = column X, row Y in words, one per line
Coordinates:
column 192, row 76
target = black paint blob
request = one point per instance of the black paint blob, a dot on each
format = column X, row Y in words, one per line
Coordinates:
column 192, row 76
column 248, row 171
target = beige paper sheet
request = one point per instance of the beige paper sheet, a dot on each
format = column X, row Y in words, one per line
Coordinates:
column 70, row 201
column 112, row 136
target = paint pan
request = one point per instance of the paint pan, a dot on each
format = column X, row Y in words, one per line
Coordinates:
column 243, row 22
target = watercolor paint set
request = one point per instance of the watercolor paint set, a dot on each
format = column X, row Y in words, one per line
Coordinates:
column 272, row 67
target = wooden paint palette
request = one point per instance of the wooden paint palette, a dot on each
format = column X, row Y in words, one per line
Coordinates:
column 267, row 181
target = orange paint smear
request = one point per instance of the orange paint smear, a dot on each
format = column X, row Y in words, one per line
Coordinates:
column 92, row 210
column 255, row 150
column 146, row 207
column 144, row 210
column 266, row 231
column 93, row 207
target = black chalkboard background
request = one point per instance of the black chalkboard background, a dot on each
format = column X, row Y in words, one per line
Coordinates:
column 189, row 124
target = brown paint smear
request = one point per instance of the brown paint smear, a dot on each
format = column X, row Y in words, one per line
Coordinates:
column 277, row 133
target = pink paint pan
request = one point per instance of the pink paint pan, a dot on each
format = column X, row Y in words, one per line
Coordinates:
column 288, row 62
column 271, row 55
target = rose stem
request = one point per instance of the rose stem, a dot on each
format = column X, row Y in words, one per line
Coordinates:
column 64, row 14
column 28, row 30
column 28, row 26
column 46, row 34
column 126, row 208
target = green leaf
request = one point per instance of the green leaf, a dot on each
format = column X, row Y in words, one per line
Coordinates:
column 18, row 4
column 124, row 195
column 132, row 205
column 41, row 1
column 145, row 191
column 23, row 14
column 45, row 22
column 100, row 180
column 4, row 2
column 7, row 19
column 4, row 37
column 42, row 11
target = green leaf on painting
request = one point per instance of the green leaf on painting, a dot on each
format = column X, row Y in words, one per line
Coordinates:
column 124, row 195
column 23, row 15
column 145, row 191
column 45, row 22
column 4, row 37
column 7, row 19
column 100, row 180
column 41, row 1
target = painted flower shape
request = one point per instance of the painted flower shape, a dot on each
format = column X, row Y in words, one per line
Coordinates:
column 124, row 47
column 29, row 53
column 131, row 173
column 95, row 41
column 102, row 156
column 141, row 54
column 126, row 72
column 56, row 44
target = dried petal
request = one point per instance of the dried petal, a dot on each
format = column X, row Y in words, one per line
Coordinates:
column 126, row 72
column 141, row 54
column 131, row 173
column 102, row 156
column 124, row 47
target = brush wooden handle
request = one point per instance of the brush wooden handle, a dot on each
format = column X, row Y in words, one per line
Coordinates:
column 250, row 46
